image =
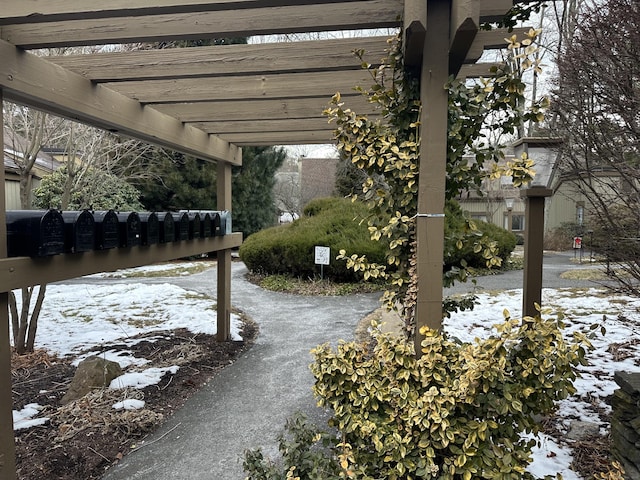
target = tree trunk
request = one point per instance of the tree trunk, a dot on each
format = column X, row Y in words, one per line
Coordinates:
column 13, row 311
column 33, row 323
column 20, row 342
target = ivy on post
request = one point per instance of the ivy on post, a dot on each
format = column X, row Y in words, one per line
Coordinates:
column 433, row 159
column 391, row 149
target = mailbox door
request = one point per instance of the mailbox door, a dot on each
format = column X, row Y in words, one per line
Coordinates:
column 107, row 229
column 149, row 228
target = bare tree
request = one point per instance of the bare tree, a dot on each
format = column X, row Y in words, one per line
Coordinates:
column 28, row 132
column 596, row 104
column 89, row 152
column 286, row 192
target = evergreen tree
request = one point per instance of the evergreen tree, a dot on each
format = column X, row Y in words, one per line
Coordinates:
column 252, row 189
column 188, row 183
column 183, row 183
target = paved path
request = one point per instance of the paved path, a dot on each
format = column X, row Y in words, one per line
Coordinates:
column 246, row 405
column 555, row 263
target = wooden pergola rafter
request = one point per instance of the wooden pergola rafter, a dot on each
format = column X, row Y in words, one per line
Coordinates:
column 211, row 101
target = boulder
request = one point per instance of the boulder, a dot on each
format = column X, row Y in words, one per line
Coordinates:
column 92, row 373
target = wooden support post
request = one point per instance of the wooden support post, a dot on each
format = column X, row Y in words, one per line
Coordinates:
column 533, row 243
column 224, row 257
column 433, row 155
column 7, row 439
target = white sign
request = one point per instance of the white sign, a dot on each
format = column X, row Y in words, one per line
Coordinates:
column 323, row 255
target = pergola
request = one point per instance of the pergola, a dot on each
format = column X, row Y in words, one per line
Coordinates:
column 210, row 101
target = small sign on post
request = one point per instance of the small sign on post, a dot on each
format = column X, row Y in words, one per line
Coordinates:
column 322, row 258
column 577, row 245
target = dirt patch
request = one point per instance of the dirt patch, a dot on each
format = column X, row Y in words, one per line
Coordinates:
column 83, row 439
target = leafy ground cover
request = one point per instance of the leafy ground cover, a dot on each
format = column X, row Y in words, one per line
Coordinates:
column 312, row 286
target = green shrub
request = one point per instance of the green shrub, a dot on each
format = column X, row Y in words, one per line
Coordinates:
column 561, row 238
column 457, row 412
column 307, row 453
column 319, row 205
column 289, row 249
column 457, row 227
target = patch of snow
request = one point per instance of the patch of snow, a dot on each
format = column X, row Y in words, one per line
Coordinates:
column 150, row 376
column 24, row 418
column 129, row 404
column 550, row 458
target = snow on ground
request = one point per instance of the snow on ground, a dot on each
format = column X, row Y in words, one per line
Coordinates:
column 617, row 350
column 82, row 316
column 77, row 317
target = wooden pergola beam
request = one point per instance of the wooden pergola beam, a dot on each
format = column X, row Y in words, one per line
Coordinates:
column 465, row 23
column 31, row 80
column 254, row 87
column 280, row 138
column 494, row 10
column 224, row 127
column 28, row 11
column 477, row 70
column 198, row 62
column 352, row 15
column 415, row 29
column 18, row 272
column 263, row 109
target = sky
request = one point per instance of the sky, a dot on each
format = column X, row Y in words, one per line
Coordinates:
column 67, row 329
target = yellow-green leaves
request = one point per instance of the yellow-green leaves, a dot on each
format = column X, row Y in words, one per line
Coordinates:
column 456, row 411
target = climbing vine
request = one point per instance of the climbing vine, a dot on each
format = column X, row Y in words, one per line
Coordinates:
column 386, row 149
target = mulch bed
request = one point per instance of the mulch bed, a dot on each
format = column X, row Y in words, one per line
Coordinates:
column 84, row 438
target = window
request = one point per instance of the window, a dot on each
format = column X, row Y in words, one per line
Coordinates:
column 517, row 222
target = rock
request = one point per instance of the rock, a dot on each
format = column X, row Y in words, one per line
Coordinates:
column 580, row 430
column 628, row 382
column 92, row 373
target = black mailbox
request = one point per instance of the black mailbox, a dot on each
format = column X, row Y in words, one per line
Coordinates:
column 129, row 225
column 181, row 222
column 149, row 228
column 195, row 226
column 216, row 227
column 167, row 228
column 34, row 233
column 206, row 224
column 107, row 233
column 79, row 231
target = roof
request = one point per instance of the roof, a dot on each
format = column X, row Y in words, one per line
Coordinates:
column 45, row 163
column 208, row 101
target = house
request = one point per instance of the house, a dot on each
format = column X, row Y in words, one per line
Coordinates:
column 502, row 204
column 301, row 180
column 13, row 150
column 499, row 203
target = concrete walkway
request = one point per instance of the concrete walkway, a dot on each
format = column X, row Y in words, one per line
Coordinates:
column 247, row 404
